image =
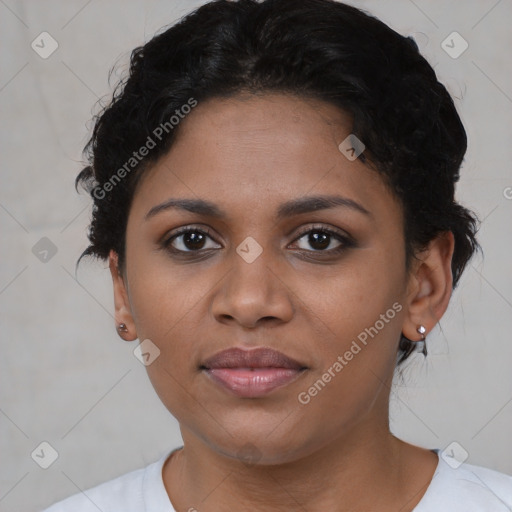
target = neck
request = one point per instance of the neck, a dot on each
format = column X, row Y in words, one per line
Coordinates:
column 366, row 469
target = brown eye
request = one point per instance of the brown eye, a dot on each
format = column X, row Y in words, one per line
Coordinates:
column 318, row 239
column 323, row 240
column 188, row 239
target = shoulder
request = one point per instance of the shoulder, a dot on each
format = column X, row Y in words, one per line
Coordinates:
column 142, row 489
column 466, row 488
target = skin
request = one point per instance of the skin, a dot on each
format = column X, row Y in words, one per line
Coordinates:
column 248, row 155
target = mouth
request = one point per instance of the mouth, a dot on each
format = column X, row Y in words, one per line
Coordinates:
column 252, row 373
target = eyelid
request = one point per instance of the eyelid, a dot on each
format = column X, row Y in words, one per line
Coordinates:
column 326, row 228
column 302, row 231
column 168, row 237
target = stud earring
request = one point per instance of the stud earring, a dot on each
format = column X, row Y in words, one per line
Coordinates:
column 421, row 329
column 122, row 328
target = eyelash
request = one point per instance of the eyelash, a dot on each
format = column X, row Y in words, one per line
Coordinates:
column 345, row 240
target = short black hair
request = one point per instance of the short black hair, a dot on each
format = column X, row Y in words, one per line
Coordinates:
column 319, row 49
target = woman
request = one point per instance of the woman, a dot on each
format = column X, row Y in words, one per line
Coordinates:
column 273, row 188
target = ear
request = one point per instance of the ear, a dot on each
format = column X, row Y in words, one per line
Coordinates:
column 430, row 286
column 123, row 314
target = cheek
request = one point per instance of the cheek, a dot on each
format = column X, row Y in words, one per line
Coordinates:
column 165, row 311
column 353, row 296
column 165, row 302
column 360, row 311
column 160, row 293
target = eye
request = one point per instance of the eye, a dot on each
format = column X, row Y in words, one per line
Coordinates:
column 188, row 239
column 322, row 239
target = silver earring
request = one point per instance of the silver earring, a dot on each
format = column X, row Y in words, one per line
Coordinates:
column 421, row 329
column 122, row 328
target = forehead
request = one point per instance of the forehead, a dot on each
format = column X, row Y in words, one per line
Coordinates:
column 275, row 124
column 249, row 152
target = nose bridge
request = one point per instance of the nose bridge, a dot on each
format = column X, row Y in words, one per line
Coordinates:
column 252, row 289
column 252, row 274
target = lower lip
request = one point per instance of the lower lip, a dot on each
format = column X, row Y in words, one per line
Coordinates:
column 247, row 383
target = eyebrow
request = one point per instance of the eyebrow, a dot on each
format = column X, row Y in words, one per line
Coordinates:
column 290, row 208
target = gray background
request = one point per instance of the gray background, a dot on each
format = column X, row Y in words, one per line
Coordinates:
column 69, row 380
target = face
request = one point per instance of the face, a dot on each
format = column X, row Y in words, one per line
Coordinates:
column 315, row 283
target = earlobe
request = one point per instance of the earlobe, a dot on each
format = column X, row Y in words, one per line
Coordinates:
column 430, row 286
column 125, row 325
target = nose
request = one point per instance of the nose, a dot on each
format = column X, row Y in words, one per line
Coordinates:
column 253, row 292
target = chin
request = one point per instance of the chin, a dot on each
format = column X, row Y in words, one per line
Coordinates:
column 255, row 446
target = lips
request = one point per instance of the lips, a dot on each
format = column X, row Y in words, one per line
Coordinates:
column 252, row 373
column 256, row 358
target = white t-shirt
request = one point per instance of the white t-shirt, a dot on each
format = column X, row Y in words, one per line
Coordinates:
column 466, row 488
